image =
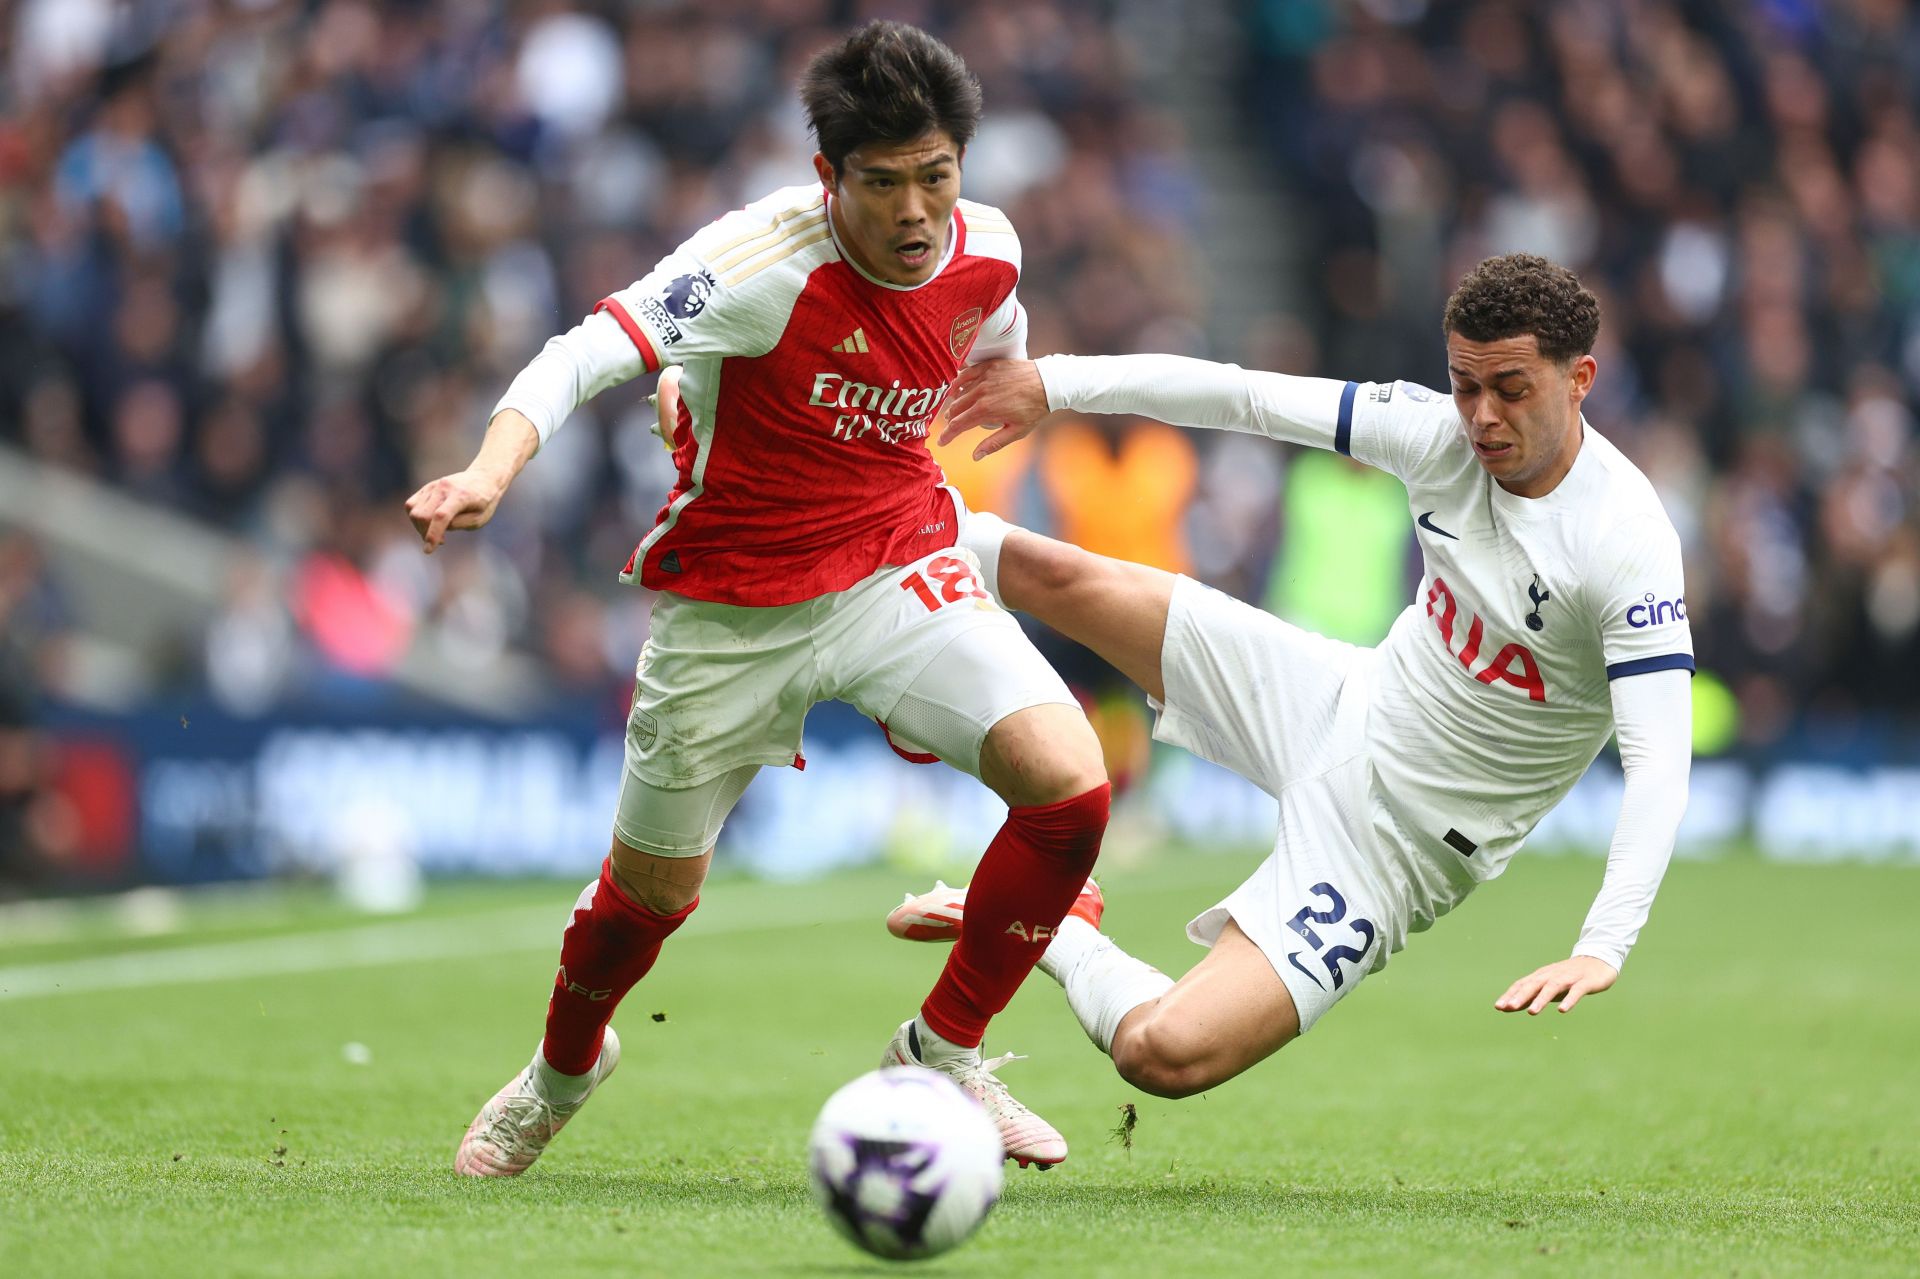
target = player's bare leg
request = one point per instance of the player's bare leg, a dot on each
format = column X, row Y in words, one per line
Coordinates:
column 1042, row 755
column 664, row 885
column 1114, row 607
column 1230, row 1011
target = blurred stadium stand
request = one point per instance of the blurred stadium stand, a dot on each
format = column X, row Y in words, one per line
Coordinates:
column 265, row 265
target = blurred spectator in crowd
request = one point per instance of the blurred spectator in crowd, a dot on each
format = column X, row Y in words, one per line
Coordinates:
column 269, row 264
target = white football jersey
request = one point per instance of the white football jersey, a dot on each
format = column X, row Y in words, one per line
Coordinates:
column 1489, row 695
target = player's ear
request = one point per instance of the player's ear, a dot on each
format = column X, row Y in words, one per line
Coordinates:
column 1582, row 375
column 824, row 170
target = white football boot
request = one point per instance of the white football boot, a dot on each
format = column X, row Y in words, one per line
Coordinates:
column 1029, row 1140
column 512, row 1130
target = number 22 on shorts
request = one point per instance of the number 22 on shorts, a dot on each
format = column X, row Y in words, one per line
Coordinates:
column 954, row 579
column 1331, row 956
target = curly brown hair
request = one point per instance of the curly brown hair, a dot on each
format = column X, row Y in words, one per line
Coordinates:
column 887, row 82
column 1522, row 293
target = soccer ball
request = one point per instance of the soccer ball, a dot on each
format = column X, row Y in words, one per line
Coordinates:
column 904, row 1163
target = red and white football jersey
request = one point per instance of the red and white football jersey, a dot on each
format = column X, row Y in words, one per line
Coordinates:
column 807, row 392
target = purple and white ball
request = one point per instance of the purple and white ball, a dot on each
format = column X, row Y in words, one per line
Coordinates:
column 904, row 1163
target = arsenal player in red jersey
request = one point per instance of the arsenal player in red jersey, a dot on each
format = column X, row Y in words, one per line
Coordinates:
column 807, row 551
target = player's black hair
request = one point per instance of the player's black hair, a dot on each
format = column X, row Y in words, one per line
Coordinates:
column 1521, row 293
column 887, row 82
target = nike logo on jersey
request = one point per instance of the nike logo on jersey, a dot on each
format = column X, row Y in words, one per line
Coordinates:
column 1293, row 957
column 1426, row 522
column 854, row 345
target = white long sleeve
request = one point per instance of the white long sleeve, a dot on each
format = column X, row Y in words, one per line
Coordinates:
column 1188, row 392
column 1653, row 717
column 571, row 369
column 1003, row 335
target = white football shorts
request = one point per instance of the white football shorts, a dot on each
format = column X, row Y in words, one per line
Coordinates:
column 1287, row 709
column 721, row 689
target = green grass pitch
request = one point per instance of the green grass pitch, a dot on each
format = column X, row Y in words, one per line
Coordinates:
column 1747, row 1101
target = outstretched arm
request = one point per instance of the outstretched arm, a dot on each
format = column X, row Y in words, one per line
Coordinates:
column 1011, row 396
column 570, row 369
column 1653, row 715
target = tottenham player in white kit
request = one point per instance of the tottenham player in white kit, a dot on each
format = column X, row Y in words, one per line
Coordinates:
column 1550, row 615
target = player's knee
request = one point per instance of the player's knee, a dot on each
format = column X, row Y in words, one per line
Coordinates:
column 660, row 898
column 664, row 885
column 1078, row 768
column 1045, row 755
column 1164, row 1060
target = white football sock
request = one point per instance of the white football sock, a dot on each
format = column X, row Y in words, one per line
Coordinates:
column 933, row 1049
column 983, row 533
column 561, row 1090
column 1103, row 983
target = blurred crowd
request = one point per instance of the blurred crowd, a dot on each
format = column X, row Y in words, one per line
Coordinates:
column 268, row 263
column 1740, row 183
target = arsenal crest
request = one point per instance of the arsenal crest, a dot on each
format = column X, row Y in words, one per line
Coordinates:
column 966, row 326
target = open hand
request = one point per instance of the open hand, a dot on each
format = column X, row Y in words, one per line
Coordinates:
column 1566, row 981
column 1005, row 396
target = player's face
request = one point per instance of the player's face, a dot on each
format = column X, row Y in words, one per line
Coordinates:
column 893, row 203
column 1522, row 410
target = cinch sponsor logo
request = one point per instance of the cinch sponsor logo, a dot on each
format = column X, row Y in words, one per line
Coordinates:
column 893, row 412
column 1656, row 612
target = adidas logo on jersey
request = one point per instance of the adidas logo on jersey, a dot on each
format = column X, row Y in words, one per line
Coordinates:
column 854, row 345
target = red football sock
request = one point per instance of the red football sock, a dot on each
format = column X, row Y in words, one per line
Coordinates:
column 609, row 945
column 1028, row 877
